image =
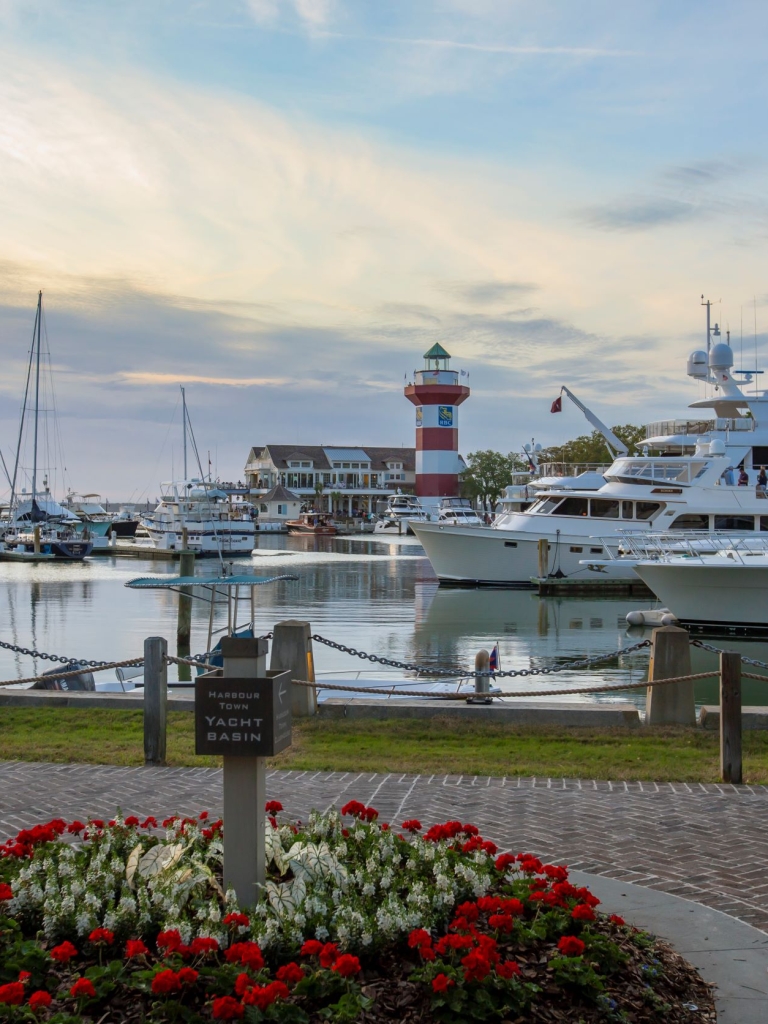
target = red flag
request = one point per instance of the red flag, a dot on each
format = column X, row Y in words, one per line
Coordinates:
column 557, row 405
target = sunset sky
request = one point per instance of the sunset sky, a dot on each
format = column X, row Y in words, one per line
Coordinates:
column 283, row 203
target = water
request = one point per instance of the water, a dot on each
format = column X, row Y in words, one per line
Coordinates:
column 380, row 596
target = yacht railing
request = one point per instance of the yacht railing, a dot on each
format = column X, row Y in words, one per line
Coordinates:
column 549, row 469
column 693, row 428
column 687, row 544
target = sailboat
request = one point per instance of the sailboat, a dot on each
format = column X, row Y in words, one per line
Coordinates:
column 196, row 514
column 39, row 526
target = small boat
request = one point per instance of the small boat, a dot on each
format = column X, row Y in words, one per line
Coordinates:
column 458, row 512
column 316, row 523
column 57, row 540
column 401, row 510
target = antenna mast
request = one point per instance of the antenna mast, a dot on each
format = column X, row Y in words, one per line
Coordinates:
column 184, row 421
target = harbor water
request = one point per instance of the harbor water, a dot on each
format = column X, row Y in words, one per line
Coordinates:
column 379, row 596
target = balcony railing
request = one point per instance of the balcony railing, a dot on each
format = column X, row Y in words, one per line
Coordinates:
column 692, row 428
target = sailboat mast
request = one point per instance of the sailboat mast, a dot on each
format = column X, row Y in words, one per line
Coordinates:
column 37, row 393
column 184, row 420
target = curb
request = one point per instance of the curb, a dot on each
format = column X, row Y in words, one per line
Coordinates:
column 726, row 952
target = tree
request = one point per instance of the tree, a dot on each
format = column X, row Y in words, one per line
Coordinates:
column 487, row 474
column 592, row 447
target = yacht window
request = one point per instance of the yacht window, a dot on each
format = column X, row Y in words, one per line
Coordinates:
column 626, row 510
column 645, row 509
column 603, row 509
column 574, row 507
column 691, row 521
column 764, row 524
column 577, row 550
column 545, row 506
column 595, row 551
column 735, row 522
column 513, row 543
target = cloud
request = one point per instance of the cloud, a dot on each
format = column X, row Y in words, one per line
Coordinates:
column 312, row 13
column 501, row 49
column 639, row 214
column 490, row 292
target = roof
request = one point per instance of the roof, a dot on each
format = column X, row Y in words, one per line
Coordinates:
column 281, row 454
column 170, row 582
column 356, row 454
column 437, row 352
column 279, row 493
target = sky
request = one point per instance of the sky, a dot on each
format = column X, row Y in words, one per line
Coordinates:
column 281, row 204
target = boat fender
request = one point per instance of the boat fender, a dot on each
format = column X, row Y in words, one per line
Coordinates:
column 635, row 618
column 668, row 619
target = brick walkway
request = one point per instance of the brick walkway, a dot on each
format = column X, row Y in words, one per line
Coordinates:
column 705, row 843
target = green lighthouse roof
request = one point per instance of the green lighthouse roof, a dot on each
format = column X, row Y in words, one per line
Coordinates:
column 437, row 352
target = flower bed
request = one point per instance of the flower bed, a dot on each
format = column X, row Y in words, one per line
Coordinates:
column 127, row 920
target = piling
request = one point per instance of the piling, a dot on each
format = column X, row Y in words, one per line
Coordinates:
column 730, row 717
column 543, row 558
column 155, row 700
column 672, row 704
column 184, row 622
column 36, row 535
column 292, row 650
column 482, row 682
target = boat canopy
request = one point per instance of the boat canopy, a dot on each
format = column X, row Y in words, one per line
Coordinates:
column 171, row 582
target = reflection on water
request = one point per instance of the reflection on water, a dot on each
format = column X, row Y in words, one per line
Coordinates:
column 376, row 595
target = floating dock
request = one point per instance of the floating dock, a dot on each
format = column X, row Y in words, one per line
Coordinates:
column 582, row 586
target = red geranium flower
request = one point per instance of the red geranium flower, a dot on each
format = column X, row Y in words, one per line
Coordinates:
column 476, row 966
column 441, row 983
column 23, row 975
column 615, row 919
column 504, row 861
column 132, row 821
column 12, row 994
column 165, row 983
column 311, row 947
column 236, row 920
column 328, row 954
column 583, row 912
column 508, row 969
column 75, row 828
column 501, row 922
column 170, row 941
column 40, row 1000
column 99, row 935
column 569, row 945
column 63, row 952
column 290, row 973
column 6, row 892
column 203, row 945
column 83, row 989
column 149, row 823
column 273, row 806
column 246, row 953
column 412, row 825
column 263, row 996
column 242, row 983
column 188, row 976
column 347, row 965
column 135, row 947
column 418, row 938
column 202, row 816
column 227, row 1008
column 469, row 910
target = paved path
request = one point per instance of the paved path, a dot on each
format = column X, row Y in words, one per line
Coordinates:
column 705, row 843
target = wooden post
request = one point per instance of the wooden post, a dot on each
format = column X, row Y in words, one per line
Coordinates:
column 245, row 788
column 292, row 650
column 155, row 699
column 184, row 621
column 543, row 557
column 672, row 704
column 36, row 538
column 730, row 717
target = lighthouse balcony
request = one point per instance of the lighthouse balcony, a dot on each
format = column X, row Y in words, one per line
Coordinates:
column 425, row 378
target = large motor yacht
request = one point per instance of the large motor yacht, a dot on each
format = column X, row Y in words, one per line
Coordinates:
column 687, row 478
column 212, row 525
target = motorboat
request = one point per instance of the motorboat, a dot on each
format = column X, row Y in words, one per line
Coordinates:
column 314, row 523
column 685, row 478
column 401, row 511
column 196, row 513
column 59, row 540
column 90, row 511
column 712, row 589
column 458, row 512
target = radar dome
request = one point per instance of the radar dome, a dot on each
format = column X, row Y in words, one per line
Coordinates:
column 721, row 356
column 717, row 446
column 697, row 364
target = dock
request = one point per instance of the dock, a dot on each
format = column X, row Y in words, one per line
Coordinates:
column 581, row 586
column 26, row 556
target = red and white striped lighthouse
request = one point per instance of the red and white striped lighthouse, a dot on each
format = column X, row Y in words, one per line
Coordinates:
column 437, row 395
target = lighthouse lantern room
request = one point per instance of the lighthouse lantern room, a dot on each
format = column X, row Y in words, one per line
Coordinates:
column 437, row 395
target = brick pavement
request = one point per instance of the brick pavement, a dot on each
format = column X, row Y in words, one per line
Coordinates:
column 707, row 843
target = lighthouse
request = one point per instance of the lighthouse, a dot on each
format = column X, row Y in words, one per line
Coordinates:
column 437, row 395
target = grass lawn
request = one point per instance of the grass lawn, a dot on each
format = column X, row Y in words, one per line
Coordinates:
column 433, row 747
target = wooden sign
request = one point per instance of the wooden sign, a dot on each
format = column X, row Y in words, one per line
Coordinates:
column 243, row 717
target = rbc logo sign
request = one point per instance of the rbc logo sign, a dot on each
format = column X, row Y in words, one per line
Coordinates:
column 445, row 416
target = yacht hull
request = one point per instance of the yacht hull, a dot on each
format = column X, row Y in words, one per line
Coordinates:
column 502, row 558
column 732, row 595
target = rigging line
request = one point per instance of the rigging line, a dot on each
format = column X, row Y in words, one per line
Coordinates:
column 754, row 306
column 160, row 453
column 59, row 456
column 23, row 413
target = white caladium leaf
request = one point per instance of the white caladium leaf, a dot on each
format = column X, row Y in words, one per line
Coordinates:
column 132, row 863
column 159, row 858
column 274, row 849
column 285, row 898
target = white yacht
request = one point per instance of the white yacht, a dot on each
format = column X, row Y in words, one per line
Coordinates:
column 198, row 507
column 402, row 510
column 458, row 512
column 687, row 478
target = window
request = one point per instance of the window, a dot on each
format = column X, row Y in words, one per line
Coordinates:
column 735, row 522
column 764, row 523
column 337, row 465
column 306, row 465
column 345, row 465
column 263, row 508
column 577, row 550
column 513, row 543
column 645, row 509
column 603, row 509
column 282, row 510
column 595, row 551
column 545, row 506
column 691, row 521
column 574, row 507
column 626, row 510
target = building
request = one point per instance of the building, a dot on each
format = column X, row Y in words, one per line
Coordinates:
column 349, row 480
column 279, row 504
column 437, row 395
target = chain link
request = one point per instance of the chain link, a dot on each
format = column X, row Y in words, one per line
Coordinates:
column 719, row 650
column 42, row 656
column 452, row 673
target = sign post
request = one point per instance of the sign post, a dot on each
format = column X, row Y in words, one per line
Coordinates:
column 243, row 713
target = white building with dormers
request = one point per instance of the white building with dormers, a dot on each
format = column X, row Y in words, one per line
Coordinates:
column 349, row 480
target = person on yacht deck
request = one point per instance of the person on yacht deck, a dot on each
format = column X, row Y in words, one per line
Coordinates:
column 743, row 478
column 728, row 477
column 762, row 479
